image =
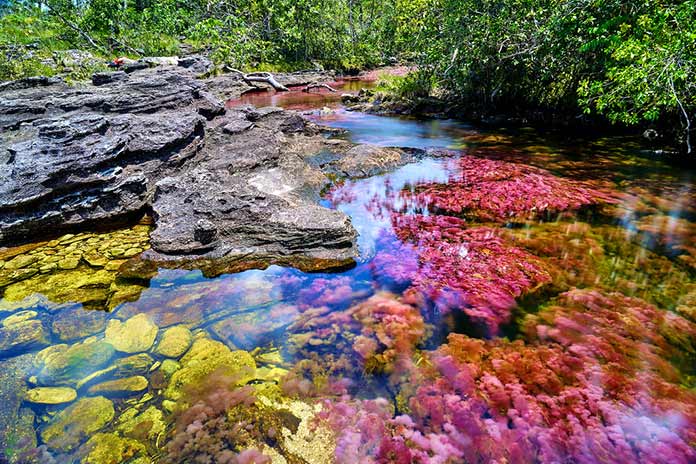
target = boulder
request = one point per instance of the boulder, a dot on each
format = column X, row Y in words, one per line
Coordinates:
column 264, row 199
column 198, row 64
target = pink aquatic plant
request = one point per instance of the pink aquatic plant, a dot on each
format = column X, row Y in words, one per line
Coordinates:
column 218, row 425
column 592, row 383
column 490, row 190
column 378, row 333
column 472, row 270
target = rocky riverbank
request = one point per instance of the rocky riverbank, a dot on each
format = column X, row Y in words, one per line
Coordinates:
column 220, row 184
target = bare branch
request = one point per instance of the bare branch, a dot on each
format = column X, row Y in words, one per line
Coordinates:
column 265, row 77
column 317, row 85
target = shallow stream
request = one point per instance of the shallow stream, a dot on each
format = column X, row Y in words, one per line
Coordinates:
column 519, row 297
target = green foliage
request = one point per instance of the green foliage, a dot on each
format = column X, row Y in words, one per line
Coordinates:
column 412, row 86
column 630, row 61
column 252, row 34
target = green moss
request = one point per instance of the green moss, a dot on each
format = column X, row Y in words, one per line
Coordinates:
column 77, row 422
column 109, row 448
column 205, row 357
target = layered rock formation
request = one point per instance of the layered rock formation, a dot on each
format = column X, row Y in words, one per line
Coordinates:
column 219, row 183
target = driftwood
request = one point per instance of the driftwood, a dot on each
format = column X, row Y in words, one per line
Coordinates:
column 265, row 77
column 317, row 85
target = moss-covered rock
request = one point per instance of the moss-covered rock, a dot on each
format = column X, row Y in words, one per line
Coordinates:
column 137, row 364
column 77, row 322
column 205, row 357
column 20, row 336
column 120, row 387
column 78, row 421
column 148, row 424
column 51, row 395
column 135, row 335
column 175, row 341
column 109, row 448
column 66, row 365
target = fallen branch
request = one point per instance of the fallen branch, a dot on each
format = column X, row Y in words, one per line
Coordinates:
column 316, row 85
column 74, row 27
column 265, row 77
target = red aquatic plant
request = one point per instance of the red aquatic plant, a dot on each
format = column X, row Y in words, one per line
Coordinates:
column 378, row 333
column 472, row 270
column 217, row 425
column 491, row 190
column 592, row 383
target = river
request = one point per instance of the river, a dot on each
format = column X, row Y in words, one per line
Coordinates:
column 519, row 297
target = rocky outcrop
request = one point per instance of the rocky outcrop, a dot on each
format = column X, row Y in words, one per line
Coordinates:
column 264, row 199
column 219, row 185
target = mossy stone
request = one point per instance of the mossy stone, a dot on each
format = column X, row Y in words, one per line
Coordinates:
column 136, row 364
column 63, row 365
column 135, row 335
column 109, row 448
column 51, row 395
column 125, row 386
column 68, row 263
column 78, row 421
column 148, row 424
column 22, row 336
column 20, row 262
column 205, row 357
column 175, row 341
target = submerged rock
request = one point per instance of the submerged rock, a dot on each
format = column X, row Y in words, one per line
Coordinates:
column 75, row 423
column 13, row 423
column 51, row 395
column 66, row 365
column 207, row 356
column 137, row 364
column 109, row 448
column 135, row 335
column 175, row 341
column 126, row 386
column 370, row 160
column 20, row 336
column 76, row 322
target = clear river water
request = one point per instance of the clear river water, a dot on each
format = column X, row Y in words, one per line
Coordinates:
column 519, row 297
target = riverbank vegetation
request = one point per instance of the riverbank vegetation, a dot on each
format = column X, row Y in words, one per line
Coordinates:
column 629, row 63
